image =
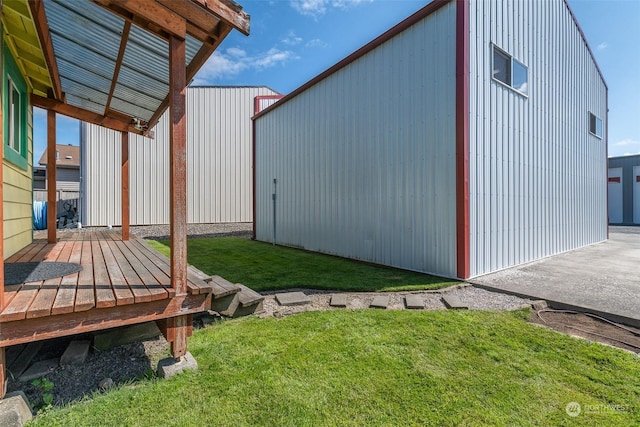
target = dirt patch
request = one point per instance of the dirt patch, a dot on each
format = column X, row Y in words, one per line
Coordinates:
column 590, row 328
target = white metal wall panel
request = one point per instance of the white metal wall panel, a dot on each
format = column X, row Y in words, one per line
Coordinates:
column 219, row 174
column 266, row 102
column 364, row 160
column 101, row 181
column 537, row 176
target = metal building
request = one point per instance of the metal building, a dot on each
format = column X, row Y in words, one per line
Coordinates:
column 219, row 150
column 624, row 190
column 454, row 144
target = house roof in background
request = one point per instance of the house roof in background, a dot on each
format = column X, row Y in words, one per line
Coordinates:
column 68, row 156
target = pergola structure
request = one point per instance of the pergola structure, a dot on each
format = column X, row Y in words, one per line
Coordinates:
column 120, row 64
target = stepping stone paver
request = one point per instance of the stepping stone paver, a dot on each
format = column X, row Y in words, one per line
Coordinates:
column 76, row 353
column 40, row 369
column 413, row 302
column 15, row 410
column 170, row 367
column 292, row 298
column 338, row 300
column 380, row 301
column 453, row 302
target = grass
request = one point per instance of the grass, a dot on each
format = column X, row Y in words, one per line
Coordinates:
column 370, row 367
column 262, row 266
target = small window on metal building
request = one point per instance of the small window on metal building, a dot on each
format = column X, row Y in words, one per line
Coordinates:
column 595, row 125
column 509, row 71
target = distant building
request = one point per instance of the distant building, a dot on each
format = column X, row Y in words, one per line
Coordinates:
column 469, row 138
column 219, row 162
column 67, row 169
column 624, row 190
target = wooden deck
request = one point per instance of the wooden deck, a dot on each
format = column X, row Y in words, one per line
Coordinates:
column 121, row 282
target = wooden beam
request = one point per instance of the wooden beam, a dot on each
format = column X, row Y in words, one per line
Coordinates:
column 178, row 163
column 111, row 121
column 51, row 177
column 42, row 27
column 125, row 186
column 116, row 70
column 176, row 331
column 151, row 12
column 234, row 17
column 196, row 63
column 42, row 328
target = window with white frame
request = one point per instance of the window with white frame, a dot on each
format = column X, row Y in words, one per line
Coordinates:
column 595, row 125
column 509, row 71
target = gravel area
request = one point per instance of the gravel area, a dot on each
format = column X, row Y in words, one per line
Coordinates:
column 475, row 298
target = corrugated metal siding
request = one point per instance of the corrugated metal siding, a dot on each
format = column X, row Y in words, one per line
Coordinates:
column 266, row 102
column 365, row 159
column 627, row 163
column 537, row 176
column 218, row 163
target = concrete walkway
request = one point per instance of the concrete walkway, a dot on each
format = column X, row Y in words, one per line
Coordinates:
column 602, row 279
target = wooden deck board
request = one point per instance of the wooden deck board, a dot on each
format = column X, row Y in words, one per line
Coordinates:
column 194, row 284
column 85, row 293
column 140, row 292
column 66, row 297
column 43, row 302
column 119, row 285
column 17, row 308
column 162, row 278
column 104, row 293
column 114, row 273
column 156, row 291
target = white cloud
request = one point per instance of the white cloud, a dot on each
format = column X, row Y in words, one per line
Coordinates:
column 603, row 46
column 272, row 57
column 235, row 60
column 292, row 39
column 627, row 142
column 317, row 8
column 630, row 154
column 236, row 52
column 316, row 43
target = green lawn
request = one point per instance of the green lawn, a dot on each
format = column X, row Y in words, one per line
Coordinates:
column 262, row 266
column 375, row 367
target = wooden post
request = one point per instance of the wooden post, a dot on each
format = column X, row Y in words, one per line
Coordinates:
column 51, row 176
column 125, row 185
column 178, row 187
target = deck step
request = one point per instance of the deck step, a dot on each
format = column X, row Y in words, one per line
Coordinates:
column 234, row 300
column 222, row 287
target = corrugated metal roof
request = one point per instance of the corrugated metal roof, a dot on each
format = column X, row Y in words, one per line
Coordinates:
column 87, row 38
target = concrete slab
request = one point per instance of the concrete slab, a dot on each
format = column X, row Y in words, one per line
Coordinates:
column 292, row 298
column 453, row 302
column 338, row 300
column 125, row 335
column 170, row 367
column 76, row 353
column 380, row 301
column 40, row 369
column 601, row 279
column 15, row 410
column 413, row 302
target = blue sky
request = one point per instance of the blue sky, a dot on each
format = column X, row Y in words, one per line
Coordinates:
column 292, row 41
